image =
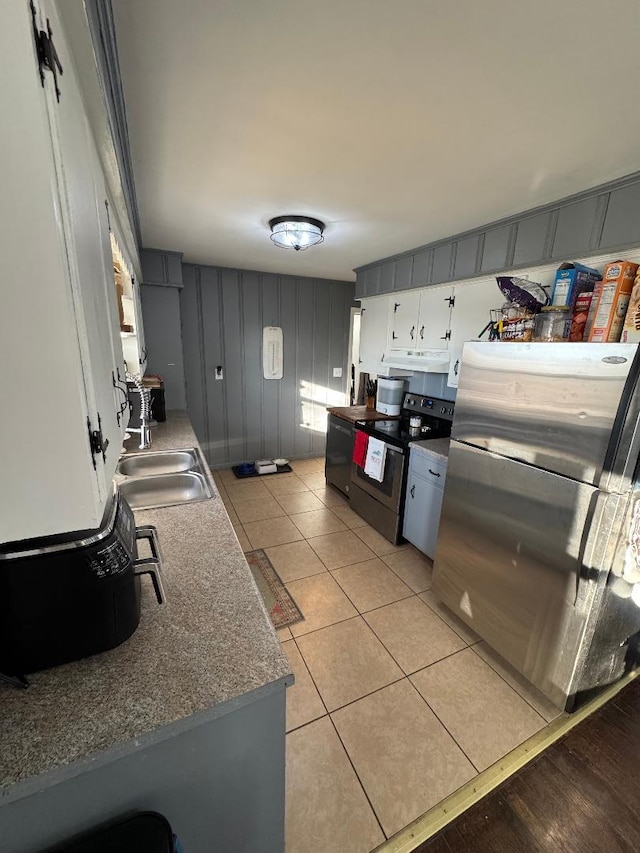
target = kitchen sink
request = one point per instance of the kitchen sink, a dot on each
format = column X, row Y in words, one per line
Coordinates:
column 161, row 462
column 163, row 478
column 165, row 489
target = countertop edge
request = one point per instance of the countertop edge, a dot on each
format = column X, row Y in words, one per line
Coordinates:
column 64, row 772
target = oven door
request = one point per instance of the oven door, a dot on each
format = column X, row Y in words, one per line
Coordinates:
column 389, row 491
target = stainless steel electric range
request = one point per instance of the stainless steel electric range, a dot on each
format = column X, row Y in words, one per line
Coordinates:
column 382, row 503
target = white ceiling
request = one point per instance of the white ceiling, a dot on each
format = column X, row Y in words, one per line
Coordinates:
column 396, row 123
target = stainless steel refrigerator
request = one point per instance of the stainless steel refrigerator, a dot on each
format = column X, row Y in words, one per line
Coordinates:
column 540, row 528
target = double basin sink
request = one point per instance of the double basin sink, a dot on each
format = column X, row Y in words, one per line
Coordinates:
column 163, row 478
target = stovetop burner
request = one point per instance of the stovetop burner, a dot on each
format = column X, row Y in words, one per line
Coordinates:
column 436, row 416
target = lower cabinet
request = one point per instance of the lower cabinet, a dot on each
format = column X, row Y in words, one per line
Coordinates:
column 425, row 488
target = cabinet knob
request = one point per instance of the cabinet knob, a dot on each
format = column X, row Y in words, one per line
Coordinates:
column 413, row 328
column 413, row 490
column 455, row 367
column 435, row 473
column 422, row 333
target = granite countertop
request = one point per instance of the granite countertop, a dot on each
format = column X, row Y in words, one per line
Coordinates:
column 432, row 446
column 359, row 413
column 209, row 649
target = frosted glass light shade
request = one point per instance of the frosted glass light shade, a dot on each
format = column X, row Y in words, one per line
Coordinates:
column 296, row 232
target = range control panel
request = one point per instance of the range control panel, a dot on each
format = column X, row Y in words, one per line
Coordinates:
column 423, row 405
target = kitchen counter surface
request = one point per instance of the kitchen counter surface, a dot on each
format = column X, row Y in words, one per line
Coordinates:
column 435, row 446
column 210, row 649
column 358, row 413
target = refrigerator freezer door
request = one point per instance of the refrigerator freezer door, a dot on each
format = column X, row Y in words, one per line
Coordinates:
column 508, row 561
column 551, row 405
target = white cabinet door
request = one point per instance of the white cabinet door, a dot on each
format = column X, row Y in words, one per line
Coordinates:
column 434, row 318
column 470, row 314
column 404, row 309
column 422, row 511
column 48, row 478
column 93, row 294
column 373, row 333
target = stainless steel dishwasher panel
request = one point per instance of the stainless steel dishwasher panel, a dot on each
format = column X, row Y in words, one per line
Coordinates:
column 340, row 435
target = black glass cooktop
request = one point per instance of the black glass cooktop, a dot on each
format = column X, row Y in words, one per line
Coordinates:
column 399, row 433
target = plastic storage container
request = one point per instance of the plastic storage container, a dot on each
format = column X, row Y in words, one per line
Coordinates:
column 553, row 323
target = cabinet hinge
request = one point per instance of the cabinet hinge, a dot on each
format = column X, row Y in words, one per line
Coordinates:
column 97, row 443
column 451, row 300
column 396, row 305
column 446, row 336
column 46, row 52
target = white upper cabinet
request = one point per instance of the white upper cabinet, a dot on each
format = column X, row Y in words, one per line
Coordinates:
column 374, row 329
column 419, row 319
column 404, row 311
column 61, row 428
column 434, row 322
column 470, row 315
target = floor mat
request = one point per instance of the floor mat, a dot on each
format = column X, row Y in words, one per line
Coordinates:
column 281, row 607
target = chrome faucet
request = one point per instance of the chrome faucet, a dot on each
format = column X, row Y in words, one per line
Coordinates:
column 145, row 397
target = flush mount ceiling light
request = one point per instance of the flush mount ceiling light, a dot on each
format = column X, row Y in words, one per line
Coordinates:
column 296, row 232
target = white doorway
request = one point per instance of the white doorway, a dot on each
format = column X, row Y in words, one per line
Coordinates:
column 354, row 357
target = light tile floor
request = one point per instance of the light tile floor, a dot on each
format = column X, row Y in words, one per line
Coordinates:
column 396, row 703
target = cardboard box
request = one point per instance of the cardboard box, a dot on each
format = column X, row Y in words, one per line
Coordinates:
column 617, row 284
column 572, row 280
column 631, row 328
column 595, row 297
column 580, row 316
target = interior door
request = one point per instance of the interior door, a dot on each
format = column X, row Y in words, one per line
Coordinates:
column 509, row 557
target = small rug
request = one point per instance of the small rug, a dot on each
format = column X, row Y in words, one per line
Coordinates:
column 242, row 475
column 281, row 608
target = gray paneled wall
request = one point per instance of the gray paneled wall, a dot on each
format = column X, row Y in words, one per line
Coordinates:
column 244, row 417
column 602, row 219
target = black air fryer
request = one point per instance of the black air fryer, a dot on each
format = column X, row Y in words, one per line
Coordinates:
column 65, row 597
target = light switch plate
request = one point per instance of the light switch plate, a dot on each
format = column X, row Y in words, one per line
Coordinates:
column 337, row 372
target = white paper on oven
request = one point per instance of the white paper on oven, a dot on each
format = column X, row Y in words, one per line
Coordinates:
column 375, row 460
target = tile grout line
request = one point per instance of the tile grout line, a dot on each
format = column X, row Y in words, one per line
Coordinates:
column 515, row 689
column 364, row 790
column 442, row 723
column 427, row 825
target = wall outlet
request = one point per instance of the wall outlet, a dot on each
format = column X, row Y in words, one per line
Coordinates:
column 337, row 372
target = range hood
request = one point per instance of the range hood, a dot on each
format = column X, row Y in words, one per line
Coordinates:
column 418, row 360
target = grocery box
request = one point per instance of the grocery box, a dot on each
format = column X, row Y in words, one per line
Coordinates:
column 617, row 284
column 595, row 297
column 631, row 328
column 580, row 316
column 572, row 280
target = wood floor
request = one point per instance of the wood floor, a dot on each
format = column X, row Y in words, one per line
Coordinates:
column 582, row 794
